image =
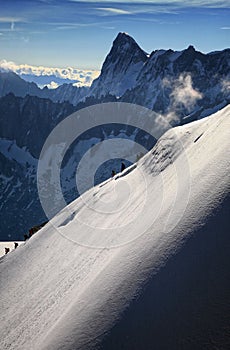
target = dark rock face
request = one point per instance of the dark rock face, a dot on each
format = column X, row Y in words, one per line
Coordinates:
column 121, row 67
column 20, row 207
column 24, row 125
column 29, row 120
column 167, row 73
column 11, row 82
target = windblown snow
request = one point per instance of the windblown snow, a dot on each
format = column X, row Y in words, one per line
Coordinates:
column 138, row 262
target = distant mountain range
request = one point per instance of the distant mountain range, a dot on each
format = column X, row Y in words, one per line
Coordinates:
column 10, row 82
column 183, row 86
column 152, row 80
column 50, row 76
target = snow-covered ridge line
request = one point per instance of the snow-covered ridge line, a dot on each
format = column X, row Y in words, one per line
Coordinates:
column 67, row 288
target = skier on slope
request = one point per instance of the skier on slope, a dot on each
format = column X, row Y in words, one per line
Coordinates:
column 7, row 250
column 26, row 237
column 122, row 166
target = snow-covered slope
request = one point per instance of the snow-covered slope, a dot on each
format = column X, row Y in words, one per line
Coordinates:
column 138, row 262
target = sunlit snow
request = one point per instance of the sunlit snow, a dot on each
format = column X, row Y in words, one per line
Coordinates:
column 68, row 286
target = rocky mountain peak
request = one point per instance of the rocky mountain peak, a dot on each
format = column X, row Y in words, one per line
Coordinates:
column 123, row 38
column 192, row 53
column 120, row 68
column 126, row 49
column 191, row 48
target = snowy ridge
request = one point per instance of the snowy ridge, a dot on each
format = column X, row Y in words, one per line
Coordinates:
column 58, row 294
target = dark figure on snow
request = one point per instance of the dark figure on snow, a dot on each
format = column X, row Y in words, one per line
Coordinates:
column 15, row 245
column 122, row 166
column 31, row 232
column 7, row 250
column 26, row 237
column 113, row 173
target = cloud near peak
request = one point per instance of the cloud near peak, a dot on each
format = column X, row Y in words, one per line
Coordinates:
column 184, row 93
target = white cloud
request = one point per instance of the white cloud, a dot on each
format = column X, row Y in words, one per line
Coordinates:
column 113, row 11
column 82, row 77
column 178, row 3
column 137, row 9
column 225, row 28
column 52, row 85
column 183, row 92
column 10, row 20
column 183, row 95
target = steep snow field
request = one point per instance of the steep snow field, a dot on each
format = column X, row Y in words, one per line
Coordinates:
column 138, row 262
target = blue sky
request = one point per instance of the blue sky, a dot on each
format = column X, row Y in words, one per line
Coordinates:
column 63, row 33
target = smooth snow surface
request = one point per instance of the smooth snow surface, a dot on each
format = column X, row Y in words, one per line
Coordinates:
column 138, row 262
